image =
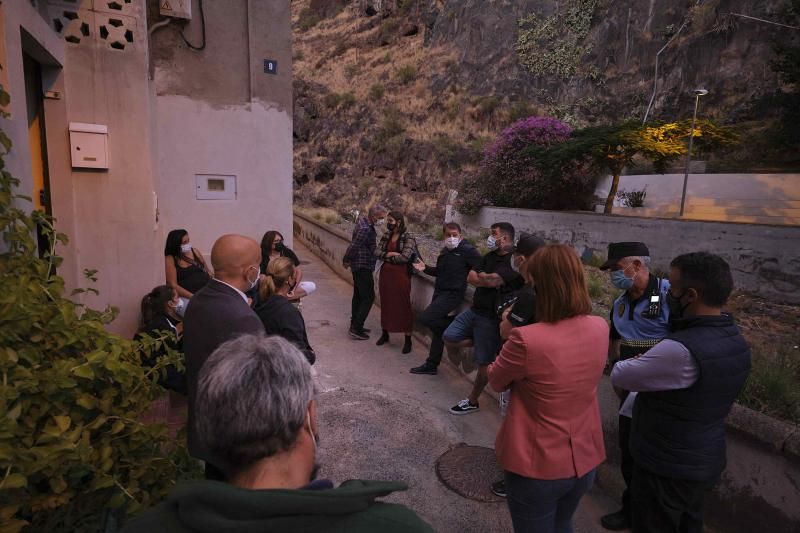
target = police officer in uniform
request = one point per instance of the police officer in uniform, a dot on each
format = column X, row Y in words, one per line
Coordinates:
column 639, row 319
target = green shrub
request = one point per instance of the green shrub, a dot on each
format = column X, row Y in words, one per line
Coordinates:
column 632, row 198
column 555, row 45
column 335, row 100
column 350, row 71
column 597, row 285
column 307, row 19
column 772, row 387
column 376, row 91
column 406, row 74
column 347, row 99
column 520, row 110
column 392, row 123
column 72, row 440
column 340, row 48
column 447, row 150
column 332, row 100
column 515, row 173
column 486, row 106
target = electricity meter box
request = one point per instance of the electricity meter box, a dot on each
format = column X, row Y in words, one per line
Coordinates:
column 88, row 145
column 181, row 9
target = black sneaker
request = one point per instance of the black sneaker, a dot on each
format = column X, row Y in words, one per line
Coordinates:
column 424, row 368
column 499, row 488
column 358, row 334
column 463, row 408
column 615, row 521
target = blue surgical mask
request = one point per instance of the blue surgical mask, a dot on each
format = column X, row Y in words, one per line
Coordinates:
column 491, row 243
column 620, row 280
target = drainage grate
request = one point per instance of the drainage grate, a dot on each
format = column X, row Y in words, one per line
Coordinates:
column 470, row 471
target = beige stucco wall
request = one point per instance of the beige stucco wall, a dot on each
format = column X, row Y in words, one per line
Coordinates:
column 115, row 226
column 251, row 142
column 208, row 112
column 210, row 120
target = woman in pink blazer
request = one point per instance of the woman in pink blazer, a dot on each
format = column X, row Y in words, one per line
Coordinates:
column 551, row 440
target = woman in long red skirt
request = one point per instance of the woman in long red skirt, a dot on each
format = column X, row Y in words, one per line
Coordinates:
column 397, row 250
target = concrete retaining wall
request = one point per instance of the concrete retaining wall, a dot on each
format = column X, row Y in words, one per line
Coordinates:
column 753, row 198
column 764, row 259
column 759, row 490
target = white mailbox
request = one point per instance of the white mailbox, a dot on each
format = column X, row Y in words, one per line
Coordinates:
column 89, row 145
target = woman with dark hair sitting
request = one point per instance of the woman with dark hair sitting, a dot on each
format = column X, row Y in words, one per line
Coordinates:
column 551, row 439
column 185, row 268
column 159, row 315
column 275, row 310
column 397, row 250
column 273, row 247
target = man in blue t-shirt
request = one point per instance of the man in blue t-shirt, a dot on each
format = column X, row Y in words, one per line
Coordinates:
column 639, row 320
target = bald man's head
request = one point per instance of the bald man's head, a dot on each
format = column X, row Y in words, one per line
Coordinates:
column 236, row 260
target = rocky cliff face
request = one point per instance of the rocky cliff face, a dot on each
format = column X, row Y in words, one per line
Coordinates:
column 394, row 99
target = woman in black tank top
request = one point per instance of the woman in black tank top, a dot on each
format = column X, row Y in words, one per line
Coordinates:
column 185, row 269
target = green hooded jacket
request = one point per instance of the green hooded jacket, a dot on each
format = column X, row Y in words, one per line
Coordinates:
column 214, row 506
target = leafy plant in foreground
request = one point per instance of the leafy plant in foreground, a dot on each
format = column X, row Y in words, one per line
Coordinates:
column 72, row 395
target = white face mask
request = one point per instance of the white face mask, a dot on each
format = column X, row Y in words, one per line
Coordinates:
column 491, row 243
column 380, row 222
column 186, row 248
column 514, row 265
column 452, row 242
column 255, row 281
column 179, row 306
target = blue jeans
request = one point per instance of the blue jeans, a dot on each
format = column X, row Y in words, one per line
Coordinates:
column 545, row 505
column 484, row 332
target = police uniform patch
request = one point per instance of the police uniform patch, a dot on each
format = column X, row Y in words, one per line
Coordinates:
column 621, row 310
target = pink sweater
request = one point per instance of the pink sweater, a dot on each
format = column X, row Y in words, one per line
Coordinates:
column 552, row 429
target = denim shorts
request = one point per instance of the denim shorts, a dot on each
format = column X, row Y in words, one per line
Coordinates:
column 484, row 332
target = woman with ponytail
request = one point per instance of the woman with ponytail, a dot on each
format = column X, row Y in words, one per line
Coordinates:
column 279, row 315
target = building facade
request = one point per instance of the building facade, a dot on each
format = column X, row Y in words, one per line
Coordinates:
column 131, row 118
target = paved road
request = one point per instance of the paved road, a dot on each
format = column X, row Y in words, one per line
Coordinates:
column 377, row 421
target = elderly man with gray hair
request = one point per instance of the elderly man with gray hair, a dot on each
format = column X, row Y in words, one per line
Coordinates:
column 360, row 259
column 639, row 320
column 257, row 413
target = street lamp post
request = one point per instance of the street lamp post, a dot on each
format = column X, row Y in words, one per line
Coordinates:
column 697, row 94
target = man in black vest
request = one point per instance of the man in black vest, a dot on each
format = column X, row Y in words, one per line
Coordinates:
column 216, row 313
column 686, row 386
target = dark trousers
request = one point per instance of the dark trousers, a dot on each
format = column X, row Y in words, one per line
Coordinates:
column 363, row 296
column 545, row 505
column 667, row 505
column 626, row 464
column 436, row 317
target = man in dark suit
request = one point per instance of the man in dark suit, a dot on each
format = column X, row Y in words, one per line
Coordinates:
column 219, row 312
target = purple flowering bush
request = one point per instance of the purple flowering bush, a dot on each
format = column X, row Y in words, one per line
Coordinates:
column 514, row 171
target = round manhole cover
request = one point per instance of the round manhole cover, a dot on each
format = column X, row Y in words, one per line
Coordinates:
column 470, row 472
